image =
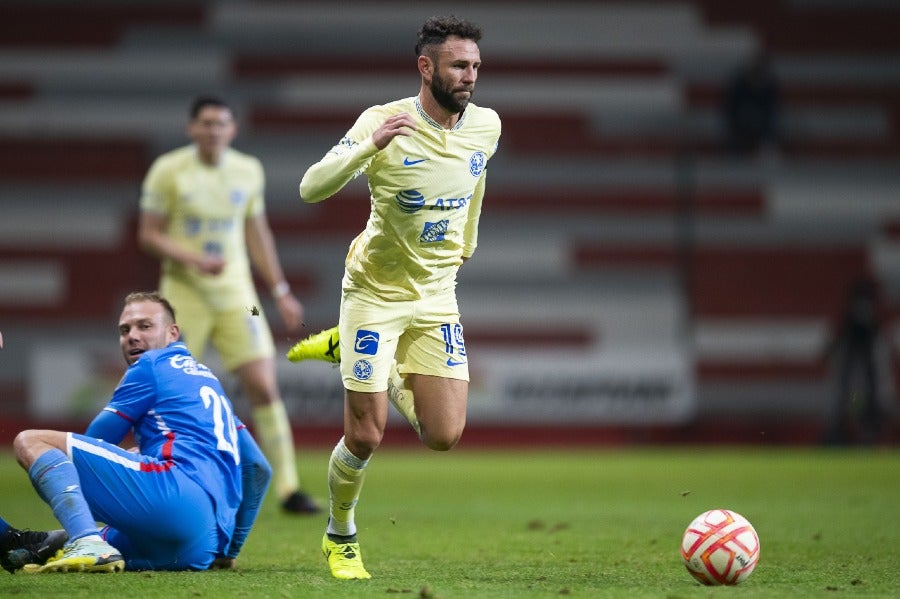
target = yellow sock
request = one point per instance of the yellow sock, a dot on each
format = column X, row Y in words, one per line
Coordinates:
column 402, row 397
column 346, row 473
column 273, row 431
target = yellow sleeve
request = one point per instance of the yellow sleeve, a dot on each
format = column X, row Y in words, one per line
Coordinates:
column 345, row 161
column 156, row 189
column 470, row 235
column 256, row 203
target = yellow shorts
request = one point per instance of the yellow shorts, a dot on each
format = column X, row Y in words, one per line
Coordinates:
column 238, row 335
column 424, row 336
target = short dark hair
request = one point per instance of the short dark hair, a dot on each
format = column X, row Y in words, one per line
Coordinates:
column 151, row 296
column 201, row 102
column 436, row 30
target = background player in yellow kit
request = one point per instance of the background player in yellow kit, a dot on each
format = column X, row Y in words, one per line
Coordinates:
column 425, row 159
column 203, row 214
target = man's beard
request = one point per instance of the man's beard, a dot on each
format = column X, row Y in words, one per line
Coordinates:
column 445, row 97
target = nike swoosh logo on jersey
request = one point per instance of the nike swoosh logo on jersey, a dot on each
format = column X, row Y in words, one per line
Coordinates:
column 452, row 362
column 409, row 162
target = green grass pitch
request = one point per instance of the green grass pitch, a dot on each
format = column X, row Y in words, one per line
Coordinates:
column 547, row 523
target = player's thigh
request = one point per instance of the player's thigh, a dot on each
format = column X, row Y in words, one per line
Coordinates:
column 241, row 336
column 194, row 317
column 434, row 344
column 141, row 496
column 180, row 534
column 440, row 404
column 369, row 331
column 114, row 480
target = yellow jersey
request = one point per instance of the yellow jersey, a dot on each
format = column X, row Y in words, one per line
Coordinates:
column 206, row 207
column 426, row 193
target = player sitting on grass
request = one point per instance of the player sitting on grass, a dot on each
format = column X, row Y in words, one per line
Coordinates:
column 186, row 499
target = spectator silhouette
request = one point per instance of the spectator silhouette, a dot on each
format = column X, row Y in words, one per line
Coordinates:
column 753, row 108
column 854, row 349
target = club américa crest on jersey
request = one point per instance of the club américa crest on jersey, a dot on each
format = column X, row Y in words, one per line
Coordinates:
column 477, row 162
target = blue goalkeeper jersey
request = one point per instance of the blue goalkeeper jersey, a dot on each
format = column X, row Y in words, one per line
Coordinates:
column 180, row 414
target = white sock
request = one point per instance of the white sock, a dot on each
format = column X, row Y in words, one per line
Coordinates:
column 346, row 474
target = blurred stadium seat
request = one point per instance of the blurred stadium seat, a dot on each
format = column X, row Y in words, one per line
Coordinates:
column 613, row 218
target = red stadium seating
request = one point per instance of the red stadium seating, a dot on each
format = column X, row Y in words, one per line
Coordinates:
column 647, row 164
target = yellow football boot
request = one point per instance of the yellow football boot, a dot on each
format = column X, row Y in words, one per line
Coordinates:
column 344, row 560
column 82, row 555
column 324, row 345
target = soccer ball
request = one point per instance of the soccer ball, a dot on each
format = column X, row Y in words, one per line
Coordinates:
column 720, row 547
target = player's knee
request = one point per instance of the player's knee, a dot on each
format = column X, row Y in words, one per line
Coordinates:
column 26, row 445
column 443, row 440
column 27, row 439
column 362, row 442
column 439, row 444
column 262, row 395
column 21, row 441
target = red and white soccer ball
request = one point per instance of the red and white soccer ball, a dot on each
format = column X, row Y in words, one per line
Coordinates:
column 720, row 547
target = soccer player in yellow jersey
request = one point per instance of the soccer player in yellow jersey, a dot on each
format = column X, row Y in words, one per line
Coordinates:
column 399, row 328
column 203, row 214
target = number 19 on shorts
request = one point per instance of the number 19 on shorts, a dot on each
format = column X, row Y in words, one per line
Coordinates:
column 454, row 344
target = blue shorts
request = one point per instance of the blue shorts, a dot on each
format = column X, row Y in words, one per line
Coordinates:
column 157, row 517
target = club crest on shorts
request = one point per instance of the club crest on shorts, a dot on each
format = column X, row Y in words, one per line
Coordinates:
column 362, row 370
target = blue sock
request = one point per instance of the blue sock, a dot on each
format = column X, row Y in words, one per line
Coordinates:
column 4, row 526
column 55, row 479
